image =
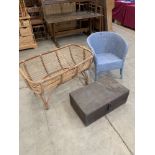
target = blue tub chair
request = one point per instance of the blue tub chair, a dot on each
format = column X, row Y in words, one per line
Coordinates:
column 109, row 51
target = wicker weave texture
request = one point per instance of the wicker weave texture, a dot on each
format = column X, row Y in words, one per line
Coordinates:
column 53, row 68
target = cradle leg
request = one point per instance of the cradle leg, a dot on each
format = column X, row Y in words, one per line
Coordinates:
column 44, row 101
column 34, row 93
column 85, row 77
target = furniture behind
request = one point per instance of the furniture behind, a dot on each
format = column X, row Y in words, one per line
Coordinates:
column 71, row 17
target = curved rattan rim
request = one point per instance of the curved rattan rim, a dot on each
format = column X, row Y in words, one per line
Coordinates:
column 70, row 68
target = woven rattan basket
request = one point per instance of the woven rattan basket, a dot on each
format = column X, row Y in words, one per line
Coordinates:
column 50, row 69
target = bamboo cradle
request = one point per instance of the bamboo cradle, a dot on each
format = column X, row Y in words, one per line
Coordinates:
column 50, row 69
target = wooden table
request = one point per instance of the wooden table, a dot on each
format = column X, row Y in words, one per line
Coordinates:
column 74, row 16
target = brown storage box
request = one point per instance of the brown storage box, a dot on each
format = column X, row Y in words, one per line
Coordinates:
column 97, row 99
column 25, row 31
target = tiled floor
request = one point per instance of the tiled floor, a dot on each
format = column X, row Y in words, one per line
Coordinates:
column 59, row 131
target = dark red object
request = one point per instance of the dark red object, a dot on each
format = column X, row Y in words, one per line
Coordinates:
column 129, row 18
column 124, row 12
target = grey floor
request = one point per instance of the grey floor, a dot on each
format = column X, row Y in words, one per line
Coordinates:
column 59, row 131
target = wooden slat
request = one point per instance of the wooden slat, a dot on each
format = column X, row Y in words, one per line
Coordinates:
column 43, row 64
column 70, row 17
column 71, row 32
column 27, row 46
column 71, row 55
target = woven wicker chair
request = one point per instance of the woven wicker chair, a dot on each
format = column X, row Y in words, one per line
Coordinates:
column 109, row 51
column 50, row 69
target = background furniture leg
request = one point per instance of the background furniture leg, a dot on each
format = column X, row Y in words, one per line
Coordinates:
column 100, row 24
column 53, row 36
column 90, row 26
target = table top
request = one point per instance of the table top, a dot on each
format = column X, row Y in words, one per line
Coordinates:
column 49, row 2
column 58, row 18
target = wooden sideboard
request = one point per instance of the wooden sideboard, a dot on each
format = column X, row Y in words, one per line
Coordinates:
column 81, row 16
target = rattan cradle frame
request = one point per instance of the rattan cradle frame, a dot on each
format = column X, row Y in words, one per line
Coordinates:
column 39, row 87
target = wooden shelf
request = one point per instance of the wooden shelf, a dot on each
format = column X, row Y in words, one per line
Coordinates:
column 27, row 46
column 25, row 17
column 58, row 18
column 71, row 32
column 22, row 26
column 49, row 2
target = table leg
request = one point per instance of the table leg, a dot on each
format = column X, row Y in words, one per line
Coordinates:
column 90, row 25
column 53, row 36
column 102, row 23
column 93, row 24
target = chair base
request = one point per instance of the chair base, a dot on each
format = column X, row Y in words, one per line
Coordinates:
column 98, row 74
column 121, row 73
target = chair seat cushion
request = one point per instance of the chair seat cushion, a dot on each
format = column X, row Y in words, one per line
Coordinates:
column 108, row 61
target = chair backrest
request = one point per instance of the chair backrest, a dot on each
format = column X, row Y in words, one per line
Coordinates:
column 107, row 42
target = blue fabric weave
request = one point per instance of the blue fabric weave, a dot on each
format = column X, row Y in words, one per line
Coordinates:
column 109, row 51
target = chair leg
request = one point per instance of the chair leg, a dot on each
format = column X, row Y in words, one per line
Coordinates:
column 121, row 73
column 34, row 93
column 96, row 76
